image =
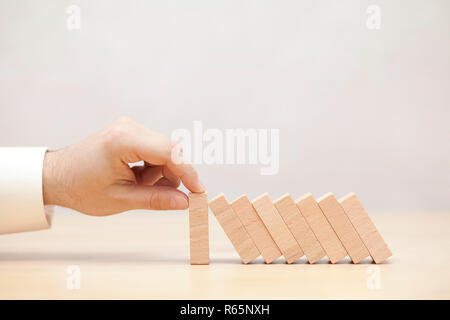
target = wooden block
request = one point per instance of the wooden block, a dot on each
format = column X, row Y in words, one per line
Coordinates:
column 344, row 229
column 366, row 229
column 234, row 228
column 328, row 239
column 299, row 228
column 198, row 228
column 277, row 228
column 256, row 229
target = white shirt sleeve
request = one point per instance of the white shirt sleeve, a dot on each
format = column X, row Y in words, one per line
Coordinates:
column 21, row 198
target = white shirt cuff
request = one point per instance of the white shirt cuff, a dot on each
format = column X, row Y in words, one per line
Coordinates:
column 21, row 197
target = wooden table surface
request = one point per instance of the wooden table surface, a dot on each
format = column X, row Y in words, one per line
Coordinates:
column 145, row 255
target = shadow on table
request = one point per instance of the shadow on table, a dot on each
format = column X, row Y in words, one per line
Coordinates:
column 140, row 257
column 95, row 257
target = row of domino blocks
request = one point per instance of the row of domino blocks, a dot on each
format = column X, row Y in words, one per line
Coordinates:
column 326, row 227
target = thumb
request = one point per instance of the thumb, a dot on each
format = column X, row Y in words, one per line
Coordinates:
column 153, row 197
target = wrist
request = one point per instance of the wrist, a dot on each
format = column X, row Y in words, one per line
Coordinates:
column 52, row 182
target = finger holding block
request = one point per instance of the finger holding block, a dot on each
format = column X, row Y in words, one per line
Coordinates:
column 198, row 228
column 366, row 229
column 277, row 228
column 256, row 229
column 299, row 228
column 344, row 229
column 234, row 228
column 322, row 229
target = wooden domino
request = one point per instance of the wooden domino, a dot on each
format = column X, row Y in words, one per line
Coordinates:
column 344, row 229
column 277, row 228
column 234, row 228
column 312, row 213
column 299, row 228
column 256, row 229
column 326, row 227
column 366, row 229
column 198, row 228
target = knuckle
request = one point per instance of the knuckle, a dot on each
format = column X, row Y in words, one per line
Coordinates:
column 115, row 133
column 119, row 130
column 155, row 201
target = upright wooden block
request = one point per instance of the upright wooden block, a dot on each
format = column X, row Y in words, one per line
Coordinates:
column 256, row 229
column 299, row 228
column 234, row 228
column 277, row 228
column 344, row 229
column 366, row 229
column 328, row 239
column 198, row 228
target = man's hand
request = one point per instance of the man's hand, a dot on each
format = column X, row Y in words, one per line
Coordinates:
column 93, row 176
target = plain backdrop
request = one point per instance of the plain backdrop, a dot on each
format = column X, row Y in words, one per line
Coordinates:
column 358, row 110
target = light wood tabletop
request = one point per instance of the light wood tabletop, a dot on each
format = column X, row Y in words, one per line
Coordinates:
column 145, row 255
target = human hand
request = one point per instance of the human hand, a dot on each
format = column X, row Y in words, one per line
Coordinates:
column 93, row 176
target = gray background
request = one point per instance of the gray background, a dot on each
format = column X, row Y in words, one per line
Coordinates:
column 358, row 110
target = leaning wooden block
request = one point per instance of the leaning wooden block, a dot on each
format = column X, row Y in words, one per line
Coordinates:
column 344, row 229
column 234, row 228
column 366, row 229
column 256, row 229
column 328, row 239
column 299, row 228
column 198, row 228
column 277, row 228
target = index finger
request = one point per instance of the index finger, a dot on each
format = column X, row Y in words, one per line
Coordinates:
column 183, row 169
column 158, row 149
